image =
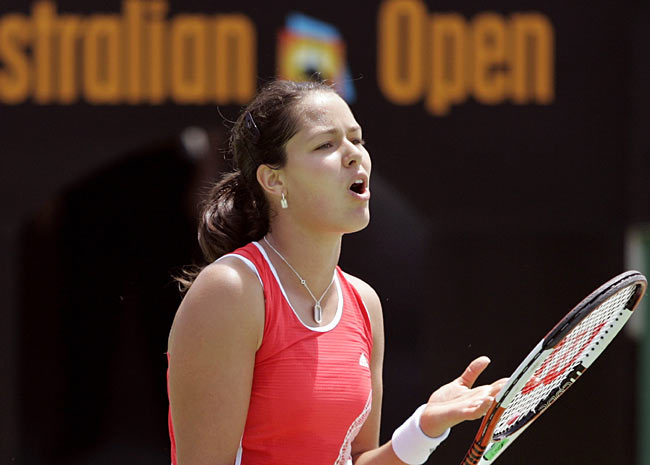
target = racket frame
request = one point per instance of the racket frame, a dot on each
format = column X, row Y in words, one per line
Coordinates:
column 485, row 449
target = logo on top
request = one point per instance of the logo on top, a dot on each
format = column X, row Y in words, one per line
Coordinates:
column 310, row 49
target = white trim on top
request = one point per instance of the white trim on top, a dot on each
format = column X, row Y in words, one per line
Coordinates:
column 363, row 302
column 365, row 307
column 246, row 261
column 239, row 453
column 339, row 309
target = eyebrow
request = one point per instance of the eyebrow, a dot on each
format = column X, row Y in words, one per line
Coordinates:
column 334, row 131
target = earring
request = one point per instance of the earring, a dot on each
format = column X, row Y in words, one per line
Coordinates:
column 283, row 201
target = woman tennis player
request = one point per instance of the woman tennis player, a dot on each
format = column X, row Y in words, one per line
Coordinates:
column 275, row 354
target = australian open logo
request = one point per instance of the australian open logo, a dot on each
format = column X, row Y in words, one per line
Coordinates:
column 310, row 49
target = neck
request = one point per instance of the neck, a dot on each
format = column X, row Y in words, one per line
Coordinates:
column 314, row 257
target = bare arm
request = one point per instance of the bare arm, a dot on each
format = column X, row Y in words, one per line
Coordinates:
column 453, row 403
column 212, row 346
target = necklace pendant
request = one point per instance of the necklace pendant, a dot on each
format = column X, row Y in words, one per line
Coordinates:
column 318, row 313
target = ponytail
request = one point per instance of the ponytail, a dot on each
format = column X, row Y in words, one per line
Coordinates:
column 234, row 215
column 231, row 216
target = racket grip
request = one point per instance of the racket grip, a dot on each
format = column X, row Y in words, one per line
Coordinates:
column 474, row 454
column 484, row 436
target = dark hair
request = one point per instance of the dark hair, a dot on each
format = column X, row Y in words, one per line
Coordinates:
column 236, row 210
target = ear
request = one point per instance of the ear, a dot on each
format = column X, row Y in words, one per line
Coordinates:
column 271, row 180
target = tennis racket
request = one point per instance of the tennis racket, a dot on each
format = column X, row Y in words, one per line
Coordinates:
column 555, row 364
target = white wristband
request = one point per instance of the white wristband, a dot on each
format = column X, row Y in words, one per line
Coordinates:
column 410, row 443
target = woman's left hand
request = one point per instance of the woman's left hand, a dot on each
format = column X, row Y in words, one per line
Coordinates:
column 458, row 401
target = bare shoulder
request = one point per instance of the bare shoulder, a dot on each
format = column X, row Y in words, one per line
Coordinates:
column 370, row 299
column 226, row 296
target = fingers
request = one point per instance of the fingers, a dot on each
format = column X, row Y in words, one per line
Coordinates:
column 498, row 385
column 459, row 401
column 478, row 408
column 486, row 394
column 473, row 371
column 471, row 406
column 479, row 401
column 472, row 399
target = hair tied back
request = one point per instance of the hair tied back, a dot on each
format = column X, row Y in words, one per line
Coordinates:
column 252, row 127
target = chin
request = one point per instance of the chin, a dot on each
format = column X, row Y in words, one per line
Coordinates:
column 360, row 224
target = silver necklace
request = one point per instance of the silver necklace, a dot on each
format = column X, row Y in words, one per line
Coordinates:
column 318, row 311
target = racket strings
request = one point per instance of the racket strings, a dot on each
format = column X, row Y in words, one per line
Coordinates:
column 564, row 362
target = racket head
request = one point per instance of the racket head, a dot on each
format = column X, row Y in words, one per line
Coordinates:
column 555, row 363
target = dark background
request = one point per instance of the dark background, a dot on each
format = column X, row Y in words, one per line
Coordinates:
column 488, row 224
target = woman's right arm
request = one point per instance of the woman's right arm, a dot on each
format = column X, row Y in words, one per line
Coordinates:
column 212, row 344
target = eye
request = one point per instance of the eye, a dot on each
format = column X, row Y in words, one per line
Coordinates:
column 358, row 142
column 326, row 145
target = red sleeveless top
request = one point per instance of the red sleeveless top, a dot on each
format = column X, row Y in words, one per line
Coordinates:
column 311, row 388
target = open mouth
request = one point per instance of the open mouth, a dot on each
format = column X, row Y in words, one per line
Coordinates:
column 358, row 187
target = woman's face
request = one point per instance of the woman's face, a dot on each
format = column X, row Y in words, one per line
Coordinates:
column 326, row 177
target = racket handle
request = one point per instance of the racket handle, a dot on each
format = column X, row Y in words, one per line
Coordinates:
column 474, row 454
column 484, row 436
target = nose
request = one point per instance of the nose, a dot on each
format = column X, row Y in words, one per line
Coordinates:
column 353, row 155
